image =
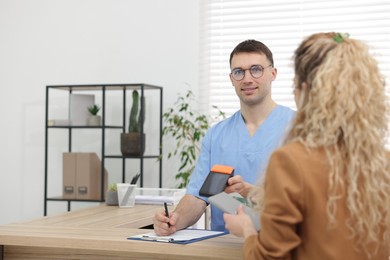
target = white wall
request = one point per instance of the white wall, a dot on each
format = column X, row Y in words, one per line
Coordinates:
column 47, row 42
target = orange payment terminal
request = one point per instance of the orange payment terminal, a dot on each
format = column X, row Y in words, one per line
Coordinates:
column 216, row 181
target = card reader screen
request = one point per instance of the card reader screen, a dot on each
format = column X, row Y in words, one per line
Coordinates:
column 214, row 184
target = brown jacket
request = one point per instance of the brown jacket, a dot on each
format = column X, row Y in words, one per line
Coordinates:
column 294, row 224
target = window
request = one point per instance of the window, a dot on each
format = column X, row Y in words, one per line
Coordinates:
column 281, row 25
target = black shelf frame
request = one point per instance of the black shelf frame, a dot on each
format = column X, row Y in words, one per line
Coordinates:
column 103, row 88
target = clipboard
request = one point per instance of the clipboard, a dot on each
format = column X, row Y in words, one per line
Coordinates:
column 185, row 236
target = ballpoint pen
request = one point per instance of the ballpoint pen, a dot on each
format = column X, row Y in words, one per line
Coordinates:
column 166, row 212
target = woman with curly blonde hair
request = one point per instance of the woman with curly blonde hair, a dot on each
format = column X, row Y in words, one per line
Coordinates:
column 327, row 190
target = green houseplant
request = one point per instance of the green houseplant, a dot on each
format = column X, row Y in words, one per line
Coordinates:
column 94, row 109
column 133, row 142
column 187, row 127
column 94, row 119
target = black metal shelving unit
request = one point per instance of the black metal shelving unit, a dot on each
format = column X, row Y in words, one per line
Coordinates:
column 103, row 88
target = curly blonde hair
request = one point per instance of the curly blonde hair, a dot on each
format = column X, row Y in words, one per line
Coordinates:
column 344, row 109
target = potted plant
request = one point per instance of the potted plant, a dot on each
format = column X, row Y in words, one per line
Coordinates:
column 94, row 119
column 133, row 142
column 112, row 195
column 187, row 127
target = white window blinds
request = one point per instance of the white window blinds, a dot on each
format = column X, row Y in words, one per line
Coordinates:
column 281, row 25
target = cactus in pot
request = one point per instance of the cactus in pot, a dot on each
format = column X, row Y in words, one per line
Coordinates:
column 133, row 142
column 134, row 123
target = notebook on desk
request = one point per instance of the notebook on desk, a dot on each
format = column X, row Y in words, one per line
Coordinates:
column 184, row 236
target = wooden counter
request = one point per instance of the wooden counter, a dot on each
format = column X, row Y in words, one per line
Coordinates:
column 101, row 233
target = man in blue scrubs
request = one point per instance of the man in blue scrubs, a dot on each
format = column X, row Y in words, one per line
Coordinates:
column 244, row 141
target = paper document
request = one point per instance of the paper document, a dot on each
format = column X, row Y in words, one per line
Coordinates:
column 185, row 236
column 158, row 196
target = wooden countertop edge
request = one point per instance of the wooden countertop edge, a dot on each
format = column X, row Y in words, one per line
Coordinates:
column 113, row 239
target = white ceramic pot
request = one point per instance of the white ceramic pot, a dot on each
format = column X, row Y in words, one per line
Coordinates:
column 112, row 198
column 94, row 121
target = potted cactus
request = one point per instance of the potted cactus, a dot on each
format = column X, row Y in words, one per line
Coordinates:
column 133, row 142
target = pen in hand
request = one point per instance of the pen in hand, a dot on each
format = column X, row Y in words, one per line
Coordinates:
column 166, row 212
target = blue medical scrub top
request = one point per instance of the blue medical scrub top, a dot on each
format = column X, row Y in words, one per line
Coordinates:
column 229, row 143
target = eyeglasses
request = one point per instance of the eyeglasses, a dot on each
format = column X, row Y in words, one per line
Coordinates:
column 255, row 70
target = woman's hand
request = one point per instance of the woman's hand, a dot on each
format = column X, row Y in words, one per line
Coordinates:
column 239, row 225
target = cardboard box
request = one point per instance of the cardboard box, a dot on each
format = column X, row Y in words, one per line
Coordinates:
column 82, row 172
column 69, row 175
